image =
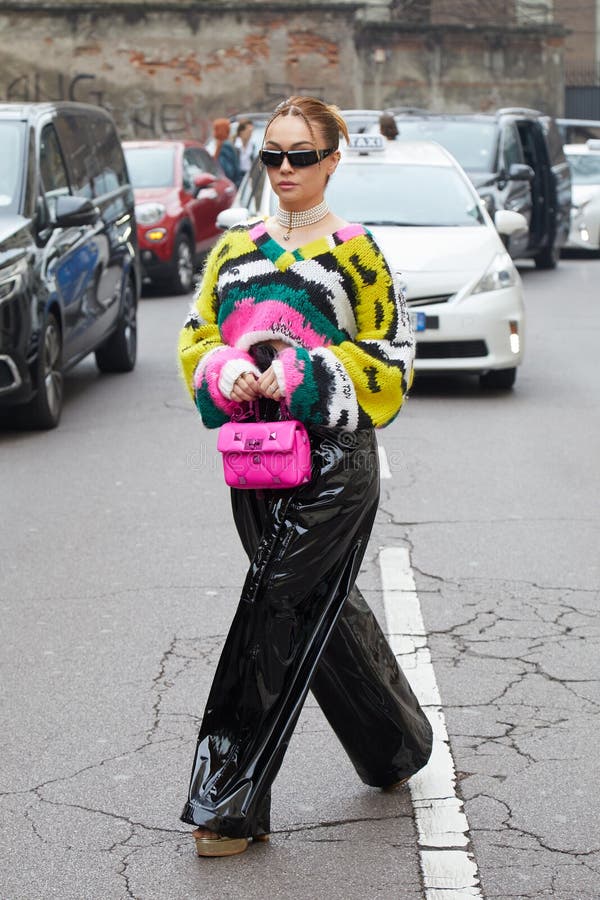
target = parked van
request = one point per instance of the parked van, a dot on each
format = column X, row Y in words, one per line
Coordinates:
column 69, row 268
column 515, row 159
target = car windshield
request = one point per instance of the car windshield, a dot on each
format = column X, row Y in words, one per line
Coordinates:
column 358, row 123
column 393, row 194
column 471, row 142
column 12, row 135
column 585, row 169
column 151, row 167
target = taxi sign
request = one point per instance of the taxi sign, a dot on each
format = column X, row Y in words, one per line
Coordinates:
column 366, row 143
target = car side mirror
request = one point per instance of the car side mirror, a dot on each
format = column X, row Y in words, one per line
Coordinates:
column 203, row 180
column 235, row 215
column 520, row 172
column 71, row 212
column 508, row 222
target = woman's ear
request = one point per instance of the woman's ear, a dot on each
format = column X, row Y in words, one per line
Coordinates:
column 332, row 162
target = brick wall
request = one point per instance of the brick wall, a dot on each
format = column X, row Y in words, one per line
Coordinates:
column 579, row 17
column 168, row 69
column 462, row 70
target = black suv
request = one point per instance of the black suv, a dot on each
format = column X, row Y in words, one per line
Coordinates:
column 69, row 268
column 515, row 160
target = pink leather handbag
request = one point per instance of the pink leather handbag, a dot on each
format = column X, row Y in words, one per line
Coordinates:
column 259, row 455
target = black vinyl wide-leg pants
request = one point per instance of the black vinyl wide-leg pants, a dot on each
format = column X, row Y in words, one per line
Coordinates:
column 302, row 623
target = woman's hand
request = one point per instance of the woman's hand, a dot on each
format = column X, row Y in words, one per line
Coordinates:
column 245, row 388
column 268, row 385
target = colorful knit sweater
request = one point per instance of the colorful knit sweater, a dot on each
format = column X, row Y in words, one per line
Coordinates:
column 334, row 301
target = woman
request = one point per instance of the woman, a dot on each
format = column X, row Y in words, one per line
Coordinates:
column 244, row 145
column 224, row 151
column 301, row 309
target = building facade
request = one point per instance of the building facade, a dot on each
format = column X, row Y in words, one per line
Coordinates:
column 168, row 67
column 582, row 56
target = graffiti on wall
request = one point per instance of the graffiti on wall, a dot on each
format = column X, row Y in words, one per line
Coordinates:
column 138, row 113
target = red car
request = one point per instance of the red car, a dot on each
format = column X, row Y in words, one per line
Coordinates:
column 179, row 191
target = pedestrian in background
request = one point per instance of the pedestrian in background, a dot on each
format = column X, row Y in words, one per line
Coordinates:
column 301, row 309
column 245, row 145
column 388, row 127
column 224, row 151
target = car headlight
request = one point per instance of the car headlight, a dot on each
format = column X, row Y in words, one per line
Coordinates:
column 500, row 273
column 149, row 213
column 10, row 276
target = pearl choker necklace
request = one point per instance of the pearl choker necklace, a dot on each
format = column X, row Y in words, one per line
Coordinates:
column 290, row 219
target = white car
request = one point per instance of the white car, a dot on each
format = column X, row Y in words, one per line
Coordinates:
column 584, row 162
column 463, row 290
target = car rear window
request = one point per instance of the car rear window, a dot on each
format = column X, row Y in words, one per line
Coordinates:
column 151, row 167
column 12, row 136
column 472, row 143
column 395, row 194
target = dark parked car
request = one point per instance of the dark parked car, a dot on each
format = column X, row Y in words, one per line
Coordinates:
column 179, row 191
column 516, row 161
column 69, row 272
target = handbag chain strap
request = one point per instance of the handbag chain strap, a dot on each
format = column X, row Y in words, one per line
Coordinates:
column 243, row 412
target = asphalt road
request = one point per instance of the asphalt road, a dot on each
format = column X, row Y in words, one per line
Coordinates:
column 120, row 573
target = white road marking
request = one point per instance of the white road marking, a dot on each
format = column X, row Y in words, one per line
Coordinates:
column 384, row 469
column 449, row 872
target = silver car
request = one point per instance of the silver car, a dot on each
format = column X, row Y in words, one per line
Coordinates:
column 584, row 162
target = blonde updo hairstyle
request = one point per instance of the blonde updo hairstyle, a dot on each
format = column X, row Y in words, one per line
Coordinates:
column 326, row 117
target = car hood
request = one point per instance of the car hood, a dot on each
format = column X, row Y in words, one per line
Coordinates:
column 482, row 179
column 467, row 250
column 12, row 244
column 156, row 195
column 434, row 261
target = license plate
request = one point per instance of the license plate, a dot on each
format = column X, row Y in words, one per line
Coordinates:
column 418, row 320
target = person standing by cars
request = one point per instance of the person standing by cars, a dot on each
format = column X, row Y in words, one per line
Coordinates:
column 224, row 151
column 245, row 146
column 301, row 309
column 388, row 127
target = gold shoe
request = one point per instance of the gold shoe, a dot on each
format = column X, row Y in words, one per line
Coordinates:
column 396, row 784
column 218, row 844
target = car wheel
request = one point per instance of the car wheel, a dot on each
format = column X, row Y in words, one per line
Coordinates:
column 547, row 258
column 182, row 279
column 499, row 379
column 118, row 353
column 45, row 409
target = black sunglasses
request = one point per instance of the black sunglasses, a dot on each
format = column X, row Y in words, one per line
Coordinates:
column 297, row 159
